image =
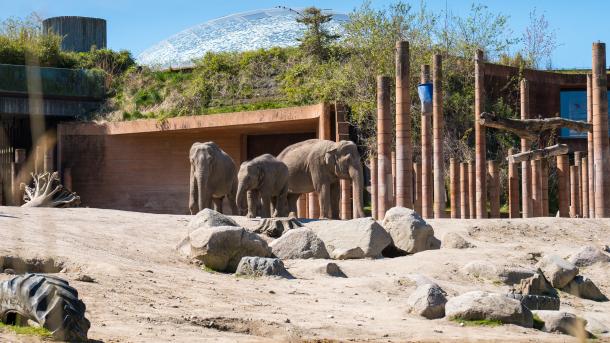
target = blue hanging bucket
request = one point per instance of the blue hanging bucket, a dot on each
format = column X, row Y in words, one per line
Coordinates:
column 425, row 96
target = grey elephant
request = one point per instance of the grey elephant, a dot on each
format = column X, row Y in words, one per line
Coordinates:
column 317, row 165
column 213, row 177
column 264, row 178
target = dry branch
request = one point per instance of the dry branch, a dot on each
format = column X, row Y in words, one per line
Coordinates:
column 530, row 129
column 48, row 192
column 558, row 149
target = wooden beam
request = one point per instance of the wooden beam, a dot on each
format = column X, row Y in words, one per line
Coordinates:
column 554, row 150
column 530, row 129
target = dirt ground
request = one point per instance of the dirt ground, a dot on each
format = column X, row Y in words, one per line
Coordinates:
column 145, row 292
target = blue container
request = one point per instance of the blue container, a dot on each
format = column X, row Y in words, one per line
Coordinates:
column 425, row 96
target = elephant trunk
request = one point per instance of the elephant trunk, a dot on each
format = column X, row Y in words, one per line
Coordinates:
column 202, row 189
column 241, row 198
column 355, row 173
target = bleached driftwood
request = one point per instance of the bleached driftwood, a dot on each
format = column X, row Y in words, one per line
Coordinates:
column 554, row 150
column 48, row 192
column 530, row 129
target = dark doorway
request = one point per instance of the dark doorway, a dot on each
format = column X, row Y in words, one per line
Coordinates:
column 273, row 144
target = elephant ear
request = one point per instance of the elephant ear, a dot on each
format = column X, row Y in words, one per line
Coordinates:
column 261, row 175
column 330, row 157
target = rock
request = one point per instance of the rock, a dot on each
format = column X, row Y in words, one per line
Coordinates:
column 428, row 301
column 9, row 271
column 479, row 305
column 507, row 274
column 596, row 324
column 221, row 248
column 562, row 322
column 421, row 280
column 300, row 243
column 356, row 238
column 587, row 256
column 410, row 232
column 333, row 269
column 210, row 218
column 261, row 266
column 276, row 227
column 85, row 278
column 558, row 271
column 452, row 240
column 536, row 285
column 583, row 287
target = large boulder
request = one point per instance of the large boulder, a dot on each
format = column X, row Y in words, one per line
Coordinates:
column 356, row 238
column 299, row 243
column 410, row 232
column 587, row 256
column 536, row 285
column 558, row 271
column 221, row 248
column 479, row 305
column 261, row 266
column 428, row 301
column 562, row 322
column 276, row 227
column 506, row 273
column 452, row 240
column 583, row 287
column 210, row 218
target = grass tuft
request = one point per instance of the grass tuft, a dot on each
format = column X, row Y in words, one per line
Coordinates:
column 26, row 330
column 478, row 322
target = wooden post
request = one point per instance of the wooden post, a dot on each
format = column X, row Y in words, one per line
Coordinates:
column 480, row 158
column 404, row 147
column 393, row 197
column 590, row 151
column 601, row 149
column 384, row 139
column 584, row 186
column 464, row 198
column 536, row 189
column 454, row 188
column 563, row 185
column 47, row 162
column 67, row 178
column 302, row 206
column 574, row 201
column 472, row 190
column 494, row 189
column 577, row 162
column 526, row 174
column 373, row 169
column 437, row 133
column 426, row 151
column 417, row 186
column 342, row 133
column 313, row 205
column 16, row 167
column 544, row 186
column 513, row 188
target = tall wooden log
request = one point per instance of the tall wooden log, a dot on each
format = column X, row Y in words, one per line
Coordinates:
column 393, row 197
column 342, row 133
column 544, row 187
column 601, row 148
column 574, row 195
column 480, row 150
column 437, row 132
column 426, row 151
column 417, row 178
column 526, row 172
column 404, row 147
column 554, row 150
column 494, row 189
column 577, row 163
column 454, row 188
column 302, row 206
column 513, row 188
column 384, row 139
column 531, row 128
column 536, row 189
column 464, row 199
column 373, row 169
column 590, row 152
column 472, row 190
column 563, row 185
column 313, row 204
column 584, row 186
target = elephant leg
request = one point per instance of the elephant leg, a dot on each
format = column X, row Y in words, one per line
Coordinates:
column 335, row 198
column 231, row 197
column 324, row 198
column 252, row 203
column 218, row 204
column 266, row 204
column 280, row 203
column 274, row 207
column 292, row 199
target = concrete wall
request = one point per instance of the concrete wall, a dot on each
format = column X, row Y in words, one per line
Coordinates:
column 80, row 33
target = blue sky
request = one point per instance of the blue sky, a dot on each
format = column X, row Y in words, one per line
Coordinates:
column 136, row 25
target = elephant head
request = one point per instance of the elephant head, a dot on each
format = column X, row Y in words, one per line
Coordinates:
column 249, row 178
column 202, row 166
column 344, row 161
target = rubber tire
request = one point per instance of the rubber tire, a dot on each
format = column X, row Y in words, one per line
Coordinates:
column 537, row 302
column 47, row 300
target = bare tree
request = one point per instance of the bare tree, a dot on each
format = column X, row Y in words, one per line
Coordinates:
column 539, row 40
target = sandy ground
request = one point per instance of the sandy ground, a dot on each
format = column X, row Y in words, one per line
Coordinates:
column 145, row 292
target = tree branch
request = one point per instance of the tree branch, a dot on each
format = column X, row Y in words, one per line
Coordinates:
column 558, row 149
column 530, row 129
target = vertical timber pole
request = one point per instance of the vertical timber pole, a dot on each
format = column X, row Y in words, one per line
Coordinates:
column 526, row 173
column 574, row 203
column 404, row 147
column 577, row 163
column 536, row 188
column 472, row 190
column 513, row 188
column 590, row 152
column 302, row 206
column 584, row 186
column 426, row 151
column 544, row 186
column 373, row 169
column 393, row 197
column 599, row 104
column 342, row 133
column 563, row 180
column 464, row 210
column 314, row 205
column 454, row 181
column 437, row 134
column 494, row 189
column 384, row 138
column 417, row 186
column 480, row 158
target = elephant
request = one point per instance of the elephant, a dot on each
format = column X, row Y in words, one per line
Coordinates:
column 317, row 165
column 213, row 177
column 264, row 178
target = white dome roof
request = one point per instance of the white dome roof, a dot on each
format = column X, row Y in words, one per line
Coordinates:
column 237, row 32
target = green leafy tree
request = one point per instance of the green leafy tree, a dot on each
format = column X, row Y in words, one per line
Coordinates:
column 317, row 38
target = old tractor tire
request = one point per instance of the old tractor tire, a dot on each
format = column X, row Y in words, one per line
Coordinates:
column 47, row 300
column 537, row 302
